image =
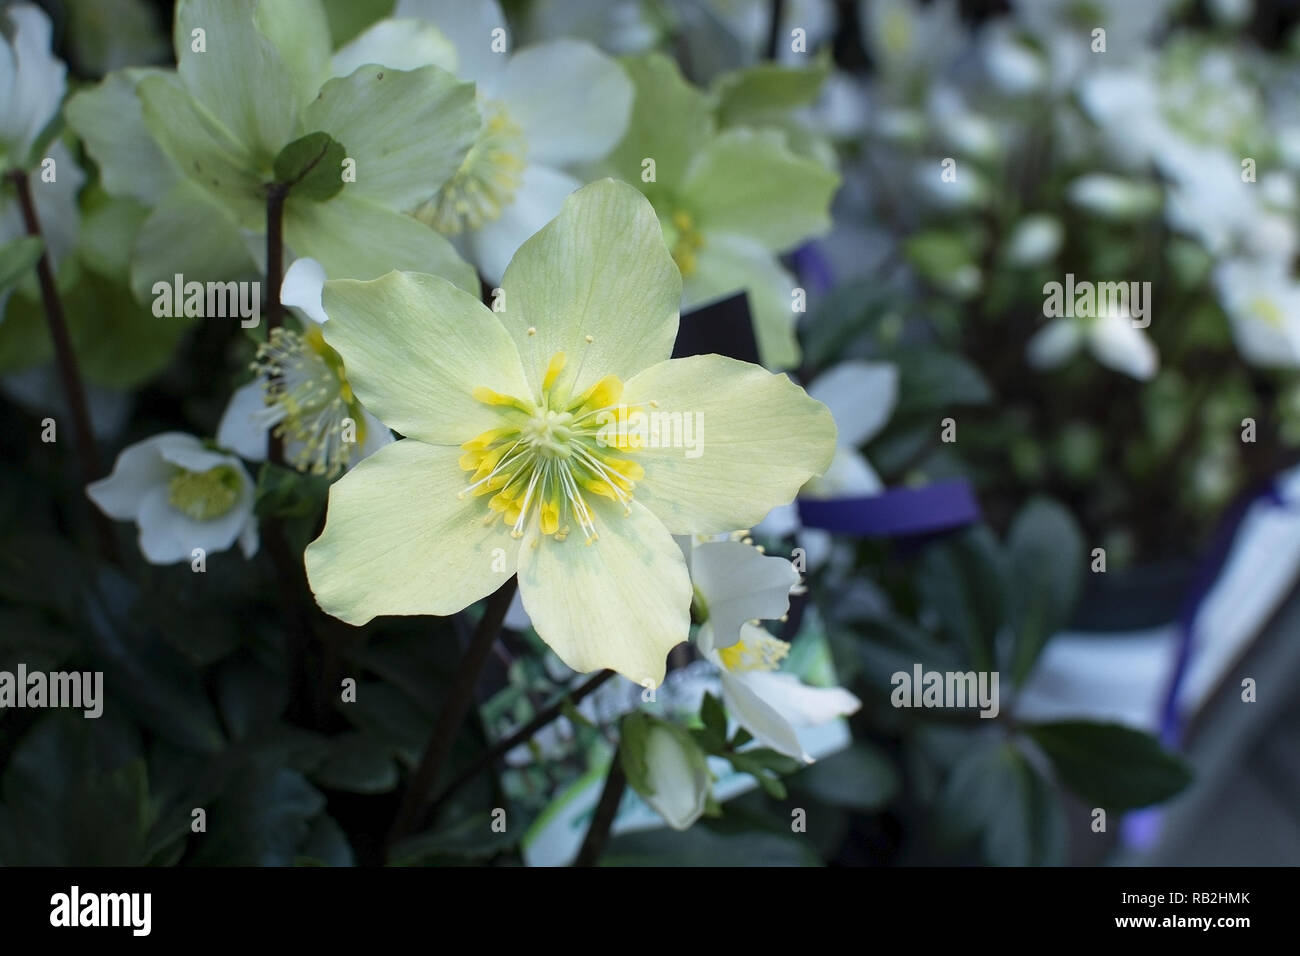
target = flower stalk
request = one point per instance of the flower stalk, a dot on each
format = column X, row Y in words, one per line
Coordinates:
column 438, row 747
column 65, row 360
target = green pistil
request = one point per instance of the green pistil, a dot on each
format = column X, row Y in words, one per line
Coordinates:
column 204, row 495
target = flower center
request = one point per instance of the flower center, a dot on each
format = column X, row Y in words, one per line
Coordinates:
column 1268, row 312
column 204, row 495
column 684, row 240
column 551, row 452
column 487, row 180
column 308, row 400
column 762, row 652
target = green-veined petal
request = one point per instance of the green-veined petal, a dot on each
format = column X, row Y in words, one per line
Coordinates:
column 110, row 119
column 749, row 182
column 408, row 131
column 400, row 44
column 239, row 75
column 622, row 602
column 599, row 269
column 670, row 121
column 203, row 149
column 757, row 438
column 354, row 238
column 168, row 242
column 397, row 540
column 415, row 348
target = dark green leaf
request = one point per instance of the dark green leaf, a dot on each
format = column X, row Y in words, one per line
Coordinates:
column 961, row 581
column 930, row 380
column 992, row 793
column 1113, row 766
column 1045, row 552
column 860, row 778
column 358, row 763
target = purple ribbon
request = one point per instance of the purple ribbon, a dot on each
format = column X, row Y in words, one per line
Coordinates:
column 896, row 513
column 1141, row 828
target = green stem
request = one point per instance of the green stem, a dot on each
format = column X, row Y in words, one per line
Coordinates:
column 65, row 360
column 437, row 749
column 601, row 821
column 522, row 735
column 276, row 194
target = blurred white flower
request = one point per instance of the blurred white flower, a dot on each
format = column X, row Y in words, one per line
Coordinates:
column 1263, row 303
column 1112, row 338
column 546, row 109
column 32, row 83
column 182, row 496
column 861, row 396
column 910, row 40
column 1036, row 239
column 1013, row 66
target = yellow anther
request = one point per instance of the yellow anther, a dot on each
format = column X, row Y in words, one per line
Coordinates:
column 553, row 370
column 489, row 397
column 603, row 394
column 550, row 518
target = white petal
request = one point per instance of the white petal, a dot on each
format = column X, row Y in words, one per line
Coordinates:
column 571, row 100
column 759, row 717
column 861, row 396
column 1118, row 344
column 540, row 197
column 398, row 44
column 186, row 451
column 1054, row 344
column 470, row 26
column 38, row 80
column 850, row 475
column 248, row 538
column 800, row 703
column 740, row 583
column 681, row 784
column 302, row 287
column 242, row 428
column 138, row 469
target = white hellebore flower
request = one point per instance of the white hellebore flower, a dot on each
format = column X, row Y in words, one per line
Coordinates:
column 735, row 582
column 1112, row 338
column 680, row 777
column 545, row 109
column 536, row 442
column 301, row 392
column 182, row 496
column 1263, row 302
column 769, row 704
column 32, row 82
